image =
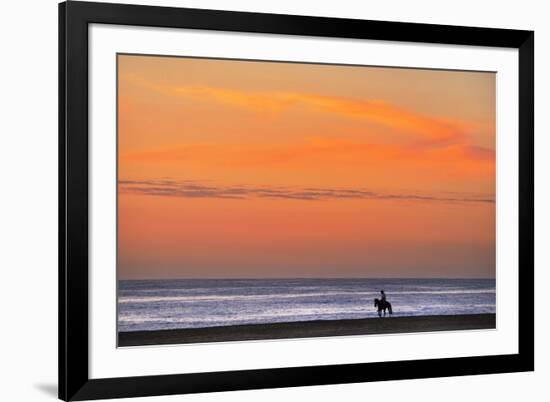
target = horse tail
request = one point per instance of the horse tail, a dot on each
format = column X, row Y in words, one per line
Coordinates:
column 389, row 308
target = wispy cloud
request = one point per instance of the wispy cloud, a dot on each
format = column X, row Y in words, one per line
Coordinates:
column 452, row 161
column 429, row 130
column 422, row 130
column 197, row 189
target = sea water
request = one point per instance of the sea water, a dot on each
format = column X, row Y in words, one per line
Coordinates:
column 197, row 303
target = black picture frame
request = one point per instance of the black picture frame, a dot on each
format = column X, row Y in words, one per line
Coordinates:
column 74, row 381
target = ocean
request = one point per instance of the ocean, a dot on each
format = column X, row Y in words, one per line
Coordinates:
column 197, row 303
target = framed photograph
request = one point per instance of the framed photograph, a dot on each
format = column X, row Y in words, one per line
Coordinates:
column 257, row 200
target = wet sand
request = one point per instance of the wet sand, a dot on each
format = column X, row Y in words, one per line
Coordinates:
column 309, row 329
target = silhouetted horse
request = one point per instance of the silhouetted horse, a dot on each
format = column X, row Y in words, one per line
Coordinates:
column 382, row 306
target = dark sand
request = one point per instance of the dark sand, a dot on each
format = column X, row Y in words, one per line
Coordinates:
column 309, row 329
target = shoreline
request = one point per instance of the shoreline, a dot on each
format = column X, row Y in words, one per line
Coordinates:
column 309, row 329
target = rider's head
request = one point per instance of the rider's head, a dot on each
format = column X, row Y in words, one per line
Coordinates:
column 382, row 291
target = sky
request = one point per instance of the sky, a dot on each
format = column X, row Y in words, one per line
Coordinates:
column 256, row 169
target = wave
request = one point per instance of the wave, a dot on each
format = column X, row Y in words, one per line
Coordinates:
column 271, row 296
column 295, row 312
column 127, row 321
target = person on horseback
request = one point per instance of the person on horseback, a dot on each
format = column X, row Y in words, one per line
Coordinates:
column 382, row 304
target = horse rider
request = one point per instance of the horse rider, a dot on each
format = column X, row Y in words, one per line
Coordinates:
column 383, row 297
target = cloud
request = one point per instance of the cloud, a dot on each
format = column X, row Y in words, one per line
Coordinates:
column 423, row 130
column 429, row 130
column 196, row 189
column 451, row 161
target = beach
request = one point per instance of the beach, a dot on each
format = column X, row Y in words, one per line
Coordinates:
column 309, row 329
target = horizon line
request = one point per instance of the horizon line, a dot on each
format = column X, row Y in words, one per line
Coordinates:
column 305, row 277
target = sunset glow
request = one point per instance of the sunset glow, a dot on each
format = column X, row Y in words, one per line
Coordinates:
column 253, row 169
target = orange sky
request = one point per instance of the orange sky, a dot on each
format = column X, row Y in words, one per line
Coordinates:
column 263, row 169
